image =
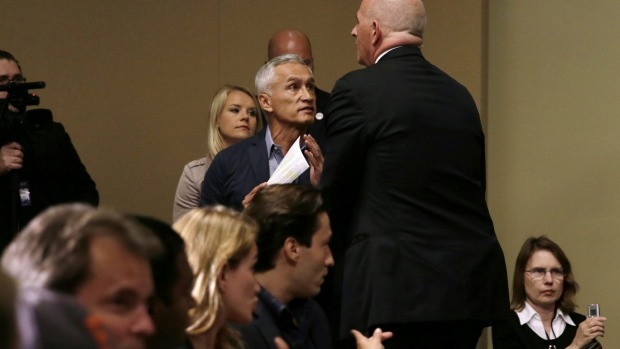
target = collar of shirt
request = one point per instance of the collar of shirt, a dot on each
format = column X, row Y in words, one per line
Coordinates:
column 283, row 315
column 384, row 53
column 530, row 317
column 274, row 152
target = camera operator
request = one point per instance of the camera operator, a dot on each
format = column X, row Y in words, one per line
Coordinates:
column 39, row 167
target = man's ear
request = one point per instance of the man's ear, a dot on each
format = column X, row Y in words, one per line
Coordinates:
column 291, row 249
column 375, row 28
column 265, row 102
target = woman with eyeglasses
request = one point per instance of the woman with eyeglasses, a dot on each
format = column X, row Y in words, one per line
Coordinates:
column 543, row 292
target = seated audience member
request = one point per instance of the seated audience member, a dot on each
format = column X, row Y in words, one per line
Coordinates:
column 222, row 251
column 542, row 299
column 293, row 260
column 52, row 320
column 98, row 257
column 173, row 279
column 39, row 166
column 285, row 88
column 291, row 41
column 8, row 329
column 233, row 117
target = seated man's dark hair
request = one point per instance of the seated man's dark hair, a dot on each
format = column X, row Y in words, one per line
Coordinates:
column 164, row 266
column 282, row 211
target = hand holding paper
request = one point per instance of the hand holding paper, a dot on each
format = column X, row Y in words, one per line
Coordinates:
column 293, row 165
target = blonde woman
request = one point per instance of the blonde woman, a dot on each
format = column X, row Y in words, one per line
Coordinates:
column 221, row 250
column 233, row 117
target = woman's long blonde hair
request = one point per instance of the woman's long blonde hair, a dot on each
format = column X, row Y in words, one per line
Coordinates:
column 214, row 237
column 215, row 142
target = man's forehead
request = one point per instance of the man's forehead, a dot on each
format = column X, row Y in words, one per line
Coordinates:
column 324, row 227
column 8, row 67
column 297, row 48
column 292, row 71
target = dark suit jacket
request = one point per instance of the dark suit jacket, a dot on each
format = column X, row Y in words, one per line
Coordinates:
column 317, row 129
column 405, row 180
column 236, row 170
column 263, row 329
column 52, row 168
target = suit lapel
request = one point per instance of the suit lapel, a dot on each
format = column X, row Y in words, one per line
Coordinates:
column 259, row 160
column 265, row 323
column 257, row 153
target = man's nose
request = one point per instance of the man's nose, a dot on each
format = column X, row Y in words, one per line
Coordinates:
column 308, row 94
column 256, row 286
column 143, row 324
column 330, row 259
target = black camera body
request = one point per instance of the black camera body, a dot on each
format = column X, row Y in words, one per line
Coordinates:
column 19, row 96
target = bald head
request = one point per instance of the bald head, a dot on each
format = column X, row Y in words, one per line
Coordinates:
column 402, row 16
column 291, row 41
column 385, row 24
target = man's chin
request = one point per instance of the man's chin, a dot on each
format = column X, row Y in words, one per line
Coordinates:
column 308, row 119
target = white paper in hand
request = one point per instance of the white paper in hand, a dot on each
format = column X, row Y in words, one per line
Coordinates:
column 293, row 165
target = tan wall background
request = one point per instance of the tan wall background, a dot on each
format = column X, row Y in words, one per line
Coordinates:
column 553, row 130
column 132, row 80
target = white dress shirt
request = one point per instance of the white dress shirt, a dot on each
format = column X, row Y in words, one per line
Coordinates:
column 530, row 317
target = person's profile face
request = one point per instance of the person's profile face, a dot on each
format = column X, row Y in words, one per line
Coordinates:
column 117, row 290
column 314, row 261
column 240, row 290
column 238, row 118
column 292, row 100
column 362, row 34
column 172, row 319
column 543, row 291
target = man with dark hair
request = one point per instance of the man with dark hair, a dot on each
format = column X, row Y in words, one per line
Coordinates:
column 39, row 166
column 173, row 281
column 293, row 259
column 98, row 257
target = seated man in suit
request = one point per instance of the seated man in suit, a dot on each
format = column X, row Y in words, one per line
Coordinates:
column 286, row 41
column 173, row 280
column 293, row 258
column 97, row 257
column 285, row 87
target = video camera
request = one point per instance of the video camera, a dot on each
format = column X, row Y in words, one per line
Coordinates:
column 18, row 95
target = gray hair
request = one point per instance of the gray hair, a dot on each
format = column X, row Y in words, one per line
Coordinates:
column 399, row 15
column 53, row 250
column 266, row 73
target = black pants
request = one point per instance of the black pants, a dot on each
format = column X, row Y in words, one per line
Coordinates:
column 435, row 335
